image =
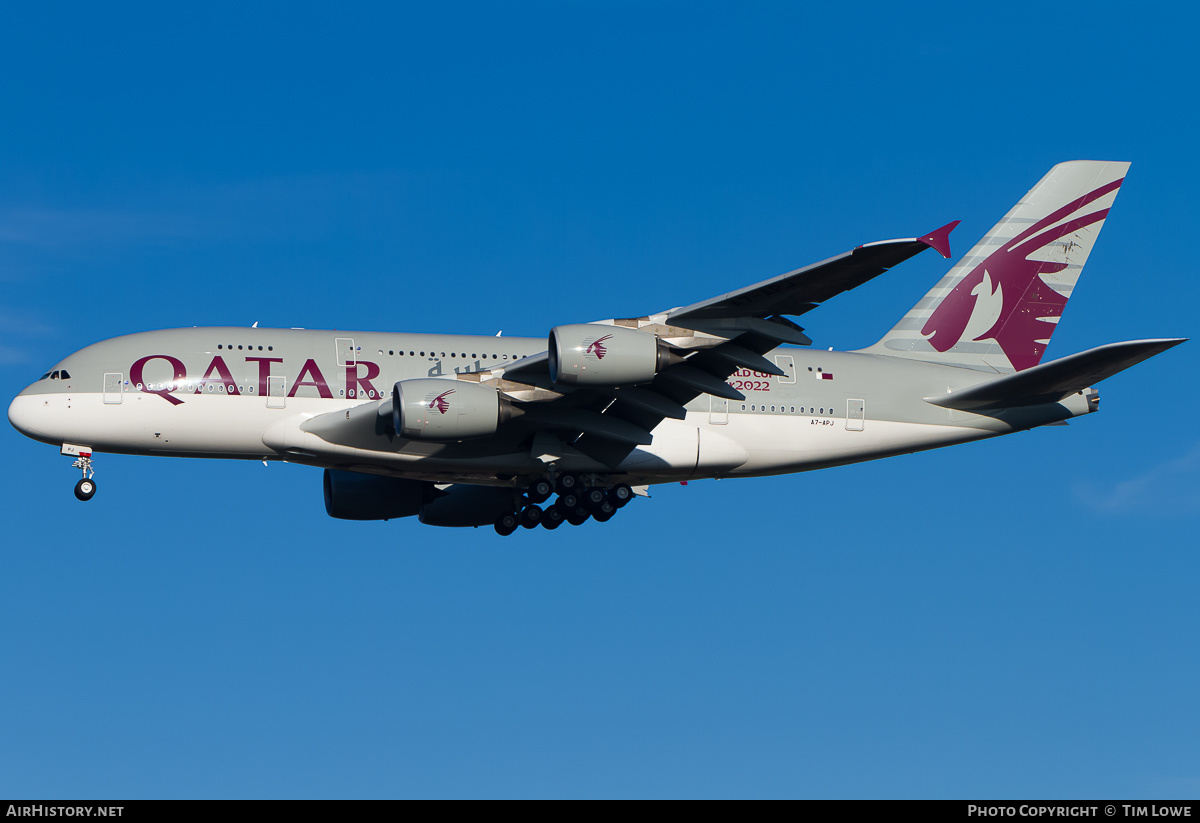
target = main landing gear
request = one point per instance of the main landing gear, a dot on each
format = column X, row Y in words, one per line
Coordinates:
column 577, row 501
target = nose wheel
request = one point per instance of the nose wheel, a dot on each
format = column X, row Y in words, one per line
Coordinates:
column 85, row 488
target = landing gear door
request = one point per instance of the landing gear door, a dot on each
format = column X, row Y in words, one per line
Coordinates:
column 345, row 351
column 856, row 412
column 276, row 396
column 112, row 387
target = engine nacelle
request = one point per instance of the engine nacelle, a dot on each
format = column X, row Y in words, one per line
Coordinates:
column 594, row 355
column 354, row 496
column 432, row 409
column 466, row 505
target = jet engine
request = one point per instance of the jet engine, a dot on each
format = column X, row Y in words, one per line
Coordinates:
column 466, row 505
column 355, row 496
column 432, row 409
column 594, row 355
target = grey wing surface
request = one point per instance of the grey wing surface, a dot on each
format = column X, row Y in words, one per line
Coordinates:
column 736, row 330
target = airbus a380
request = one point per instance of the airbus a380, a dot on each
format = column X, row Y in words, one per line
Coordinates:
column 469, row 431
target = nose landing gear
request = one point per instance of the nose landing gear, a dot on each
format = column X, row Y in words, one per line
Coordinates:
column 85, row 488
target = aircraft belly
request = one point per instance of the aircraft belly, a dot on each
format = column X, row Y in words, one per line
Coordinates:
column 449, row 462
column 785, row 444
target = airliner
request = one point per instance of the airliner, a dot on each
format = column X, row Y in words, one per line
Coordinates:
column 462, row 430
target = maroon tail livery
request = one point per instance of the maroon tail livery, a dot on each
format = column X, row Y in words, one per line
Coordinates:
column 997, row 309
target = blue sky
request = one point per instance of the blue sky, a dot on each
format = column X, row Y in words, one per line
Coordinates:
column 1012, row 618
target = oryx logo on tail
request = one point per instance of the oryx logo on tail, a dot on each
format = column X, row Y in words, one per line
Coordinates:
column 596, row 348
column 440, row 402
column 1006, row 298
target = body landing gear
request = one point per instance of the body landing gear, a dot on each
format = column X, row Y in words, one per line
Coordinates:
column 578, row 501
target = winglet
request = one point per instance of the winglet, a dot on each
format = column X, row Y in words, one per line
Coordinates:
column 939, row 239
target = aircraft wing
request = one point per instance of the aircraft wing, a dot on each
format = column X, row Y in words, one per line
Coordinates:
column 802, row 290
column 697, row 348
column 607, row 423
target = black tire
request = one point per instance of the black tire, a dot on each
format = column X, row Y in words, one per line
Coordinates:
column 606, row 508
column 507, row 523
column 577, row 516
column 540, row 490
column 531, row 516
column 85, row 489
column 620, row 494
column 603, row 517
column 569, row 501
column 594, row 498
column 567, row 483
column 553, row 517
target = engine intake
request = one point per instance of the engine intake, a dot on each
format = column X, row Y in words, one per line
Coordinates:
column 432, row 409
column 595, row 355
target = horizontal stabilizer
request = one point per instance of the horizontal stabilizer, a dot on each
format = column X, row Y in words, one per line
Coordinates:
column 1051, row 382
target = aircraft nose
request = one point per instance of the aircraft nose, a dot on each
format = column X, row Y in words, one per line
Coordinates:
column 23, row 414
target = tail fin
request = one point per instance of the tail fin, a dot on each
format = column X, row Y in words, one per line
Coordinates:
column 997, row 308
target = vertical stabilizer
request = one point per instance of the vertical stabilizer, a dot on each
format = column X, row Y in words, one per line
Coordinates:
column 997, row 308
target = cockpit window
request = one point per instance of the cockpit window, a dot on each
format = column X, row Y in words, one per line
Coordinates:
column 54, row 375
column 64, row 374
column 45, row 376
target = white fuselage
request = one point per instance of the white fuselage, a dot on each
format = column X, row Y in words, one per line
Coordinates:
column 199, row 393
